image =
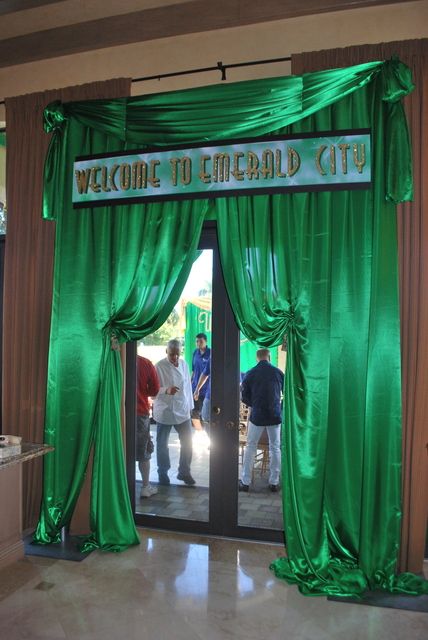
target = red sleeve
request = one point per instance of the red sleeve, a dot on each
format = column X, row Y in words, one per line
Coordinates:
column 153, row 384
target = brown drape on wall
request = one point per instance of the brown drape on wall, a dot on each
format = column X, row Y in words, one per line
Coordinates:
column 413, row 255
column 28, row 272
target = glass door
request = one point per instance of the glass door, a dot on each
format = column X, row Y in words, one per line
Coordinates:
column 213, row 504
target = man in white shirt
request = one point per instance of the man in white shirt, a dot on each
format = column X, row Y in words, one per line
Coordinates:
column 171, row 408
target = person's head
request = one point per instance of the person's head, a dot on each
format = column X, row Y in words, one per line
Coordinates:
column 263, row 354
column 173, row 350
column 201, row 341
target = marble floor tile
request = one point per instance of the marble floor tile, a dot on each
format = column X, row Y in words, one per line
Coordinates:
column 181, row 587
column 259, row 508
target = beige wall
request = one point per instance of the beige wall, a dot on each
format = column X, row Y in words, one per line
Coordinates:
column 267, row 40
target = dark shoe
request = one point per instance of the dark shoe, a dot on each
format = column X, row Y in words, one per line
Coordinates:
column 163, row 479
column 187, row 479
column 243, row 487
column 274, row 488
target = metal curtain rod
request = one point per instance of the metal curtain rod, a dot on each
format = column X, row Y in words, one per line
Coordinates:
column 219, row 67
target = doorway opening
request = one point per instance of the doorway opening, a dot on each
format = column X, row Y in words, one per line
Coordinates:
column 213, row 504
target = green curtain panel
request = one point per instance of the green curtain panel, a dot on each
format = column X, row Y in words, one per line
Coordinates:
column 118, row 272
column 324, row 266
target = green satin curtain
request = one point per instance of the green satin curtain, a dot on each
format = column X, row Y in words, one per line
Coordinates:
column 118, row 271
column 321, row 269
column 324, row 266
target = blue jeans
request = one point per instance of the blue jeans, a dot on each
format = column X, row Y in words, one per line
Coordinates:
column 206, row 410
column 184, row 431
column 253, row 436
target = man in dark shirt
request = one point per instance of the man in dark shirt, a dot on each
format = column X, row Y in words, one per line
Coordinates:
column 147, row 385
column 261, row 390
column 201, row 356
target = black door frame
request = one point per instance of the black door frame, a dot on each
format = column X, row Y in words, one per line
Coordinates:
column 223, row 502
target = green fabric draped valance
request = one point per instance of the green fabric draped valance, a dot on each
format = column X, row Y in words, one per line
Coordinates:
column 320, row 268
column 243, row 109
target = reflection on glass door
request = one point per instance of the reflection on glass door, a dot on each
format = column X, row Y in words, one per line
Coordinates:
column 162, row 488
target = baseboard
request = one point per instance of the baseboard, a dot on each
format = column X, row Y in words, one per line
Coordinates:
column 11, row 552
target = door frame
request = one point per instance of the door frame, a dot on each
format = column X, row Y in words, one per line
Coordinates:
column 223, row 474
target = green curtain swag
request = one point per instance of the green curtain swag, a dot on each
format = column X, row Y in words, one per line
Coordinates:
column 324, row 266
column 242, row 109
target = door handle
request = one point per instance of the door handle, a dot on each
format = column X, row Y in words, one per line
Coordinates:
column 216, row 411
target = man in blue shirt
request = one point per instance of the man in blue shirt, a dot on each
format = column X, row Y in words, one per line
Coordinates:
column 261, row 390
column 205, row 381
column 201, row 356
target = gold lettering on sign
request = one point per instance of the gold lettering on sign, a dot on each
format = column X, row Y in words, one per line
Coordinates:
column 186, row 170
column 271, row 165
column 221, row 167
column 174, row 166
column 93, row 183
column 267, row 167
column 359, row 158
column 278, row 161
column 237, row 173
column 332, row 159
column 344, row 149
column 104, row 178
column 252, row 166
column 82, row 180
column 293, row 161
column 204, row 176
column 139, row 175
column 318, row 157
column 125, row 176
column 111, row 177
column 152, row 178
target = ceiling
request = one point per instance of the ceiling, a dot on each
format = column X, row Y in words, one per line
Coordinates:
column 41, row 29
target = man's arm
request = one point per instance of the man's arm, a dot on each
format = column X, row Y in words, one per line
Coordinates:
column 202, row 380
column 246, row 392
column 187, row 385
column 193, row 366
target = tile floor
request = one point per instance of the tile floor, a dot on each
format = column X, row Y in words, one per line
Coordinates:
column 176, row 587
column 260, row 508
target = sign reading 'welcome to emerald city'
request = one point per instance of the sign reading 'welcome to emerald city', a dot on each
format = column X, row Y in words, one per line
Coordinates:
column 325, row 161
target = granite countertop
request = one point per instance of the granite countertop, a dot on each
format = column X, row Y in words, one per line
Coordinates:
column 29, row 450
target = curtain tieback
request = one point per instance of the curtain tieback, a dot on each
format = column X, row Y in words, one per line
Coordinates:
column 54, row 116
